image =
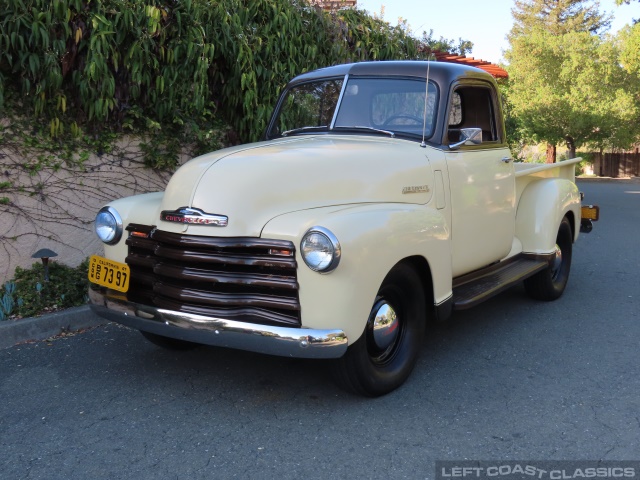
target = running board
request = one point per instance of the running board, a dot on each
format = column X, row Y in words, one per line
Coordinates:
column 477, row 287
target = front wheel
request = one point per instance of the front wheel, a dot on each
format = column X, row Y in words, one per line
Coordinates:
column 384, row 356
column 551, row 282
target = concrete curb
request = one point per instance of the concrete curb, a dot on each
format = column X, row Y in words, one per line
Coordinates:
column 13, row 332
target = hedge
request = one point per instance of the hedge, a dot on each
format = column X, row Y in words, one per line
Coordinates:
column 124, row 64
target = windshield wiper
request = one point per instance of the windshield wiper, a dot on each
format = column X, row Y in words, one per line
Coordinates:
column 303, row 129
column 369, row 129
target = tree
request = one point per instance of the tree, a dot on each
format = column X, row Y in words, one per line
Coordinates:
column 459, row 47
column 630, row 46
column 566, row 81
column 558, row 17
column 571, row 88
column 513, row 126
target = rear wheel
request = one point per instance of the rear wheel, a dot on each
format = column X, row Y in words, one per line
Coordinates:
column 384, row 356
column 550, row 283
column 167, row 342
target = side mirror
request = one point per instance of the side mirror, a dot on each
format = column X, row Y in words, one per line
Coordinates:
column 469, row 136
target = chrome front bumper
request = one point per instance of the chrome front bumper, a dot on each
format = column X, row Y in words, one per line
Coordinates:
column 281, row 341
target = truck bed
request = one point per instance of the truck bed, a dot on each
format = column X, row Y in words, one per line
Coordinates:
column 548, row 170
column 530, row 172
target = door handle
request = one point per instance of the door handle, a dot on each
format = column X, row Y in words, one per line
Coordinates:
column 507, row 159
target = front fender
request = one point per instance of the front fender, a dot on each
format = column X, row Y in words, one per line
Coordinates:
column 542, row 206
column 143, row 208
column 373, row 238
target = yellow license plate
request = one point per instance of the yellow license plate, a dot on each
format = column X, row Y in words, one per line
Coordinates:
column 591, row 212
column 109, row 273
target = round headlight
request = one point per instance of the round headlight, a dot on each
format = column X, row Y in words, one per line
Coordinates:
column 108, row 225
column 320, row 249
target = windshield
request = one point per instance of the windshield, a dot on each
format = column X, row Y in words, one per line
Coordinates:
column 393, row 106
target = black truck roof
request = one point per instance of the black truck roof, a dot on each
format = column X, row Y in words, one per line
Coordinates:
column 440, row 72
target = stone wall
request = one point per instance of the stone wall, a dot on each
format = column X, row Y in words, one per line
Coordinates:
column 55, row 207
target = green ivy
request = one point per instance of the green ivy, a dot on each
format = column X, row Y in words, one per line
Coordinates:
column 156, row 65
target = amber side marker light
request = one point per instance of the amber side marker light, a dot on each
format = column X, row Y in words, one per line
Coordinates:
column 591, row 212
column 139, row 234
column 281, row 252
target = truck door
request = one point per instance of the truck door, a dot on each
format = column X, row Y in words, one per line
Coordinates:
column 482, row 180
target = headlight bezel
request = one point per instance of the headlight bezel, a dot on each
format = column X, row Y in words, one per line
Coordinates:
column 332, row 240
column 117, row 225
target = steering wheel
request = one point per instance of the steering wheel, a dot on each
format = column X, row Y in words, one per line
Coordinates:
column 389, row 121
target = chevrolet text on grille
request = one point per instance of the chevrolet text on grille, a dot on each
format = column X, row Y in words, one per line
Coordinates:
column 194, row 216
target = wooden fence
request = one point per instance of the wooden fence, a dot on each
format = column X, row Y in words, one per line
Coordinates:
column 626, row 164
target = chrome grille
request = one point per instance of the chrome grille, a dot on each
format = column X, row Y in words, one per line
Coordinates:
column 238, row 278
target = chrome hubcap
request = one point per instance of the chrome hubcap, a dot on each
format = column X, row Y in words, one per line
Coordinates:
column 385, row 327
column 383, row 330
column 556, row 263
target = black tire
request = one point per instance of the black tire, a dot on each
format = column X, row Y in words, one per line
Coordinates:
column 382, row 358
column 168, row 343
column 549, row 284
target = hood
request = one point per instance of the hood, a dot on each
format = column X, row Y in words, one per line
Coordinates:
column 254, row 183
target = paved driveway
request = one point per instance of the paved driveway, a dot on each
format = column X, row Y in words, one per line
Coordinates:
column 512, row 379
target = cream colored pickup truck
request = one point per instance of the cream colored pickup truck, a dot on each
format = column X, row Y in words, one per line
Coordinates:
column 383, row 196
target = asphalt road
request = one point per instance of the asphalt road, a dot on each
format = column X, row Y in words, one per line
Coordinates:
column 513, row 379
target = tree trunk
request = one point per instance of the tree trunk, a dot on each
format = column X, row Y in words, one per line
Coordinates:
column 551, row 153
column 571, row 146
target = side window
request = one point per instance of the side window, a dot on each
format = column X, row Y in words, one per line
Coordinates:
column 455, row 113
column 473, row 107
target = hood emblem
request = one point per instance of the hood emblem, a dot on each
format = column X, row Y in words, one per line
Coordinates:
column 194, row 216
column 416, row 189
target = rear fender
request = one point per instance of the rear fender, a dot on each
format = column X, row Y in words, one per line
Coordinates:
column 542, row 206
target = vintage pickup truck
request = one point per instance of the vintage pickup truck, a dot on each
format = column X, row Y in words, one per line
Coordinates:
column 383, row 196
